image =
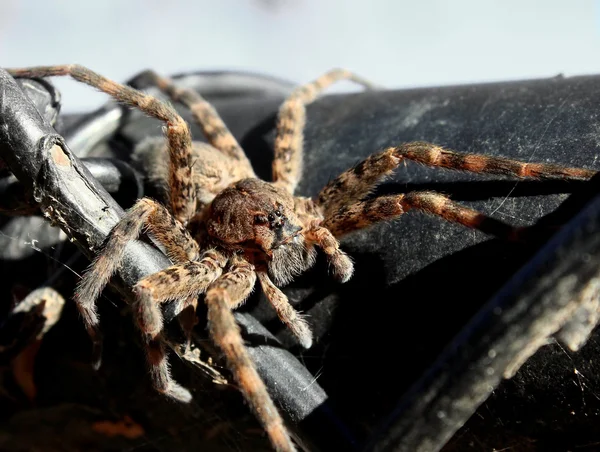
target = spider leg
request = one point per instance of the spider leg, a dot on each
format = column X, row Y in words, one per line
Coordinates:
column 356, row 183
column 213, row 170
column 156, row 355
column 178, row 283
column 366, row 213
column 229, row 290
column 213, row 127
column 168, row 231
column 287, row 164
column 286, row 313
column 340, row 261
column 183, row 194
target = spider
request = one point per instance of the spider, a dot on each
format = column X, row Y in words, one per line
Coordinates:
column 223, row 228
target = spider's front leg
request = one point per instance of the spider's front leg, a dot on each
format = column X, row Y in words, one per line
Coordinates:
column 177, row 283
column 286, row 313
column 363, row 214
column 342, row 266
column 168, row 231
column 345, row 208
column 311, row 217
column 355, row 184
column 228, row 292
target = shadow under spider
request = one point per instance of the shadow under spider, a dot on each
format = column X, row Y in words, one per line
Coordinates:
column 366, row 327
column 381, row 338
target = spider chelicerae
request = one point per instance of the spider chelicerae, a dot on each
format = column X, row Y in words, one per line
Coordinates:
column 223, row 228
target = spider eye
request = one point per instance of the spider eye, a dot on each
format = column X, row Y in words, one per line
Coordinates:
column 277, row 213
column 271, row 217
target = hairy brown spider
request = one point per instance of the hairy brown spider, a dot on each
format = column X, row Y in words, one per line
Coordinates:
column 223, row 227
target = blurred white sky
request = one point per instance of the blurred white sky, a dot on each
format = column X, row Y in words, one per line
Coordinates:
column 394, row 43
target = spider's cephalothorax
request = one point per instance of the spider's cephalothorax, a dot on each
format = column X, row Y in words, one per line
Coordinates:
column 259, row 219
column 246, row 229
column 254, row 215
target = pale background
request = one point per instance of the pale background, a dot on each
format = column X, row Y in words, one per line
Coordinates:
column 395, row 43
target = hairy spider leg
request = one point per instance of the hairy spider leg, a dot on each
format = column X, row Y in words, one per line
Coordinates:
column 183, row 193
column 286, row 313
column 356, row 183
column 177, row 283
column 228, row 291
column 365, row 213
column 146, row 212
column 207, row 117
column 341, row 264
column 287, row 163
